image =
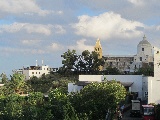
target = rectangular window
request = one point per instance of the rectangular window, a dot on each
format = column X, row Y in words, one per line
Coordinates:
column 32, row 72
column 39, row 72
column 142, row 49
column 146, row 94
column 140, row 58
column 36, row 72
column 110, row 64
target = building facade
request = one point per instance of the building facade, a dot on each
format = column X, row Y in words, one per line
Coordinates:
column 36, row 71
column 131, row 63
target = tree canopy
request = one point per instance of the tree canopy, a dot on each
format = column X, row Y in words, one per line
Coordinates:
column 85, row 63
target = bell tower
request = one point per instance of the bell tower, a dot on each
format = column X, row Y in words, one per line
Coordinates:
column 98, row 49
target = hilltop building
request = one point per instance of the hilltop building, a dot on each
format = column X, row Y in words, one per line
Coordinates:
column 36, row 70
column 131, row 63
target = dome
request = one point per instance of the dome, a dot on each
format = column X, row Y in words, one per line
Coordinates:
column 144, row 41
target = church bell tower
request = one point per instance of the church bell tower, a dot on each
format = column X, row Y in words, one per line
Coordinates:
column 98, row 49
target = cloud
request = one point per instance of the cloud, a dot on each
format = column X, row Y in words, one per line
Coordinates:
column 30, row 42
column 32, row 28
column 81, row 46
column 106, row 26
column 23, row 7
column 54, row 47
column 137, row 2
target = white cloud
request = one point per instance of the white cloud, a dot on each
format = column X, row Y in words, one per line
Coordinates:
column 137, row 2
column 60, row 29
column 32, row 28
column 30, row 42
column 10, row 50
column 107, row 25
column 24, row 6
column 81, row 46
column 54, row 47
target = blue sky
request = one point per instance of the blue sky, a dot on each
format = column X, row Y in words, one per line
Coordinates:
column 33, row 30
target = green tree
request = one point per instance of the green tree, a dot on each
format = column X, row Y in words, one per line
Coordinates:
column 13, row 109
column 69, row 59
column 17, row 84
column 90, row 62
column 4, row 78
column 147, row 71
column 96, row 98
column 61, row 106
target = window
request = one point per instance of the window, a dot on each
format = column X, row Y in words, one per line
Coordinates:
column 39, row 72
column 32, row 72
column 44, row 68
column 146, row 94
column 110, row 64
column 36, row 72
column 140, row 58
column 142, row 49
column 135, row 66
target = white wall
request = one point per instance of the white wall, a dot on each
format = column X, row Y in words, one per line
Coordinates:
column 136, row 86
column 74, row 88
column 92, row 78
column 154, row 82
column 38, row 73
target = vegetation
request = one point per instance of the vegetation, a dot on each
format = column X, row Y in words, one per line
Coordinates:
column 86, row 63
column 19, row 101
column 147, row 71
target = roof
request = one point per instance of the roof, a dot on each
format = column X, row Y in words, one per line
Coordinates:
column 127, row 84
column 83, row 83
column 144, row 41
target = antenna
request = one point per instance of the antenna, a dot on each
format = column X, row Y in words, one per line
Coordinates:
column 42, row 62
column 36, row 62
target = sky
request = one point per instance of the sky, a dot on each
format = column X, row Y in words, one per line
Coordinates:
column 39, row 30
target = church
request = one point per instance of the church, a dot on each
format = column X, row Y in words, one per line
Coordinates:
column 128, row 63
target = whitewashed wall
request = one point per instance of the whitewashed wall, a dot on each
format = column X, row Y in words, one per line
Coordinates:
column 136, row 79
column 73, row 88
column 154, row 82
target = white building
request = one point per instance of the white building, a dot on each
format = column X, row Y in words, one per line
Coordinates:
column 144, row 54
column 147, row 88
column 36, row 70
column 131, row 63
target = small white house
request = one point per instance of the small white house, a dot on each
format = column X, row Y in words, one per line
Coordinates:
column 36, row 70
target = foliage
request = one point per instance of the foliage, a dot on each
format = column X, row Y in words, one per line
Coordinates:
column 86, row 63
column 147, row 71
column 50, row 81
column 4, row 78
column 96, row 98
column 112, row 71
column 17, row 84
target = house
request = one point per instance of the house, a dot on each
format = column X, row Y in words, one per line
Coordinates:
column 36, row 70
